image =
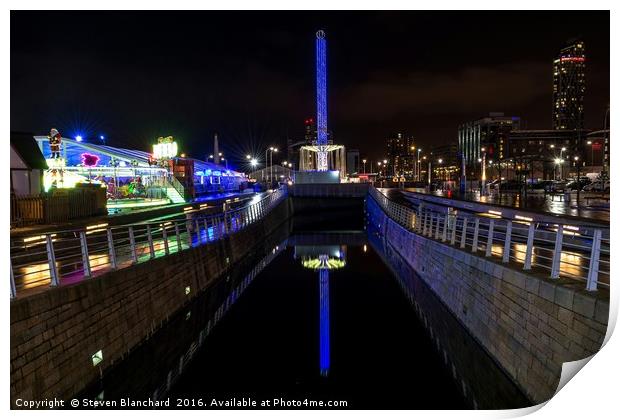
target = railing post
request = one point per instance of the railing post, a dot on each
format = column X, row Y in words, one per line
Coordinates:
column 464, row 233
column 177, row 232
column 527, row 263
column 13, row 289
column 507, row 239
column 488, row 251
column 206, row 225
column 164, row 234
column 197, row 229
column 149, row 235
column 132, row 245
column 111, row 249
column 444, row 237
column 474, row 245
column 437, row 227
column 51, row 260
column 557, row 253
column 453, row 235
column 85, row 258
column 423, row 221
column 592, row 283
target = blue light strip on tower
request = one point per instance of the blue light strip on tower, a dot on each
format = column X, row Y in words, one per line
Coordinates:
column 321, row 87
column 324, row 320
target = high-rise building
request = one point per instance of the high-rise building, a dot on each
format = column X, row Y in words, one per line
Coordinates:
column 399, row 154
column 569, row 87
column 490, row 133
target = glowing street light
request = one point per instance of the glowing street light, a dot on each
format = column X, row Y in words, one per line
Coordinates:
column 78, row 138
column 364, row 162
column 248, row 157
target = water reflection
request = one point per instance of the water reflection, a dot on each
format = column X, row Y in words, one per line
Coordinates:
column 322, row 259
column 259, row 333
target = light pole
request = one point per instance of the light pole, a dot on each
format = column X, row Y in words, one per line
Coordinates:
column 385, row 168
column 578, row 184
column 483, row 189
column 364, row 162
column 417, row 175
column 562, row 163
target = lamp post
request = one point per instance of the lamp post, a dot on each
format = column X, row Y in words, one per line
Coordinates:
column 364, row 162
column 562, row 163
column 417, row 176
column 483, row 178
column 576, row 158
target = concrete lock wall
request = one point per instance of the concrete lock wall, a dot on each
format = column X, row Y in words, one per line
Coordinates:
column 55, row 333
column 530, row 325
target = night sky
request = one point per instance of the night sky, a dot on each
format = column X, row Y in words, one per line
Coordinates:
column 134, row 76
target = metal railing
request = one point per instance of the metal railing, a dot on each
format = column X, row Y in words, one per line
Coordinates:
column 559, row 250
column 67, row 257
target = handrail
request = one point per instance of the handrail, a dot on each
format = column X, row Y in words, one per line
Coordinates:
column 176, row 184
column 559, row 251
column 74, row 255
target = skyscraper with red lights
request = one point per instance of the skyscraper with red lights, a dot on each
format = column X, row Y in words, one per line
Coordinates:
column 569, row 87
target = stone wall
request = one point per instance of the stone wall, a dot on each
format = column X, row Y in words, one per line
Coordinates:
column 54, row 334
column 529, row 324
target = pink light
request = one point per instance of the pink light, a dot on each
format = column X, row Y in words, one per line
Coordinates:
column 573, row 59
column 89, row 160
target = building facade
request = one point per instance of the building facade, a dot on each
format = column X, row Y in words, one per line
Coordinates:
column 490, row 133
column 353, row 162
column 400, row 155
column 569, row 86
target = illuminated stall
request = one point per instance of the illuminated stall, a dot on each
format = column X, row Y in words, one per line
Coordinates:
column 134, row 178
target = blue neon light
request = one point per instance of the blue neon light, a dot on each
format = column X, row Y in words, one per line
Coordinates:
column 321, row 87
column 324, row 321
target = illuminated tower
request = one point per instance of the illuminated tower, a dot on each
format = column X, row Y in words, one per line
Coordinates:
column 321, row 100
column 569, row 86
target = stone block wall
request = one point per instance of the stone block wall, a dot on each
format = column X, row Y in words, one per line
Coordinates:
column 55, row 333
column 528, row 323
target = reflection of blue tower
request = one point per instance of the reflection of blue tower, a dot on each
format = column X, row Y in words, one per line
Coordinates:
column 324, row 318
column 322, row 259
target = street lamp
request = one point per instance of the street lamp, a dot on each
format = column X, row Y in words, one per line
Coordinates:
column 483, row 178
column 270, row 149
column 418, row 166
column 576, row 158
column 364, row 162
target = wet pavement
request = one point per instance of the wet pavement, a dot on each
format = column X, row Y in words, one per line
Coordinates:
column 589, row 207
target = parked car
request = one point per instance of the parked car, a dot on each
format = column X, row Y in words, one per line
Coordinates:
column 510, row 186
column 558, row 187
column 578, row 185
column 597, row 186
column 542, row 186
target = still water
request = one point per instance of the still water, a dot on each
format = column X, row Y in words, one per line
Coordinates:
column 321, row 315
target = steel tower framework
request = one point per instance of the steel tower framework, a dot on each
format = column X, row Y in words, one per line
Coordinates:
column 321, row 101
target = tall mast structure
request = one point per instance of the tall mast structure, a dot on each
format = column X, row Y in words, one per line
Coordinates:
column 321, row 101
